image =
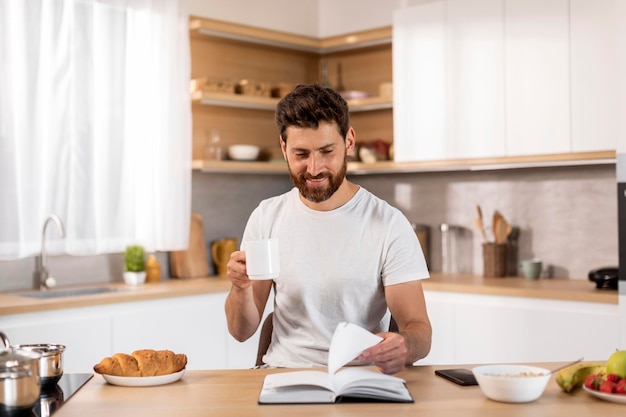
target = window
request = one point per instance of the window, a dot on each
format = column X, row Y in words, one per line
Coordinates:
column 95, row 125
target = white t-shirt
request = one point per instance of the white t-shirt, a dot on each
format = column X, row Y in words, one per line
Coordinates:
column 334, row 266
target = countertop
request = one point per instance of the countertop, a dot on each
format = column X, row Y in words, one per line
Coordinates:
column 555, row 289
column 235, row 393
column 545, row 288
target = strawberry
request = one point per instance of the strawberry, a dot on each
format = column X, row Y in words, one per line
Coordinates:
column 607, row 386
column 620, row 387
column 612, row 377
column 593, row 381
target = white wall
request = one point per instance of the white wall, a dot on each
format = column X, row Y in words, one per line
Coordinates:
column 317, row 18
column 291, row 16
column 337, row 17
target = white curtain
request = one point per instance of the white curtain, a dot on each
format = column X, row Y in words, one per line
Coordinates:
column 95, row 125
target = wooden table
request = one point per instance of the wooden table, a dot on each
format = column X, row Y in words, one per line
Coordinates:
column 235, row 393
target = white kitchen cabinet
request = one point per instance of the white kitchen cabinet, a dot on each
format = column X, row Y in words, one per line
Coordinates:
column 419, row 88
column 470, row 328
column 481, row 78
column 508, row 78
column 475, row 98
column 597, row 50
column 194, row 325
column 441, row 314
column 449, row 81
column 537, row 76
column 86, row 333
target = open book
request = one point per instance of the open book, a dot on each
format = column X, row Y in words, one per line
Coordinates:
column 353, row 383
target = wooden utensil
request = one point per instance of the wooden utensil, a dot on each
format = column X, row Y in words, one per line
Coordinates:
column 192, row 262
column 501, row 228
column 479, row 224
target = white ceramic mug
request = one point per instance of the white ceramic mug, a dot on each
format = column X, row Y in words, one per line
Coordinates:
column 262, row 261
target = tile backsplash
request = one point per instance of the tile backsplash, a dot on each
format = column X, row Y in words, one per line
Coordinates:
column 567, row 216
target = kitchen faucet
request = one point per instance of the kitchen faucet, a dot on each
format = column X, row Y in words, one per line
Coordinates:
column 40, row 276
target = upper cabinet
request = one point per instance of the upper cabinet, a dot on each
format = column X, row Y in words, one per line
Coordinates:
column 448, row 66
column 598, row 56
column 537, row 82
column 506, row 78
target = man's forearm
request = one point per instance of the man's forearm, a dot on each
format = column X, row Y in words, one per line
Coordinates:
column 418, row 339
column 242, row 315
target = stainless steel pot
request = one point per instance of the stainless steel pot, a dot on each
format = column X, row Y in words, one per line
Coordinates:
column 50, row 399
column 51, row 362
column 19, row 379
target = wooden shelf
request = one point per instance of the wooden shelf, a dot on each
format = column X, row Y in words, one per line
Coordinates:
column 200, row 26
column 267, row 103
column 390, row 167
column 241, row 167
column 225, row 52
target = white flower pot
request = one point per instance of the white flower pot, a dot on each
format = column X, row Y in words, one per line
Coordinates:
column 134, row 278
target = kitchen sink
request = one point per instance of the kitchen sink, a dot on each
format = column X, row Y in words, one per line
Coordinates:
column 67, row 293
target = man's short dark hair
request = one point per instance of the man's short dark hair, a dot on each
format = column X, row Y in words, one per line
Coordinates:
column 308, row 105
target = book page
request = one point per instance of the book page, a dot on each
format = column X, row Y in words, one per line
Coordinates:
column 296, row 378
column 348, row 341
column 367, row 383
column 298, row 387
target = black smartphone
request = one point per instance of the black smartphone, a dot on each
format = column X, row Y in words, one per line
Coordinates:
column 459, row 376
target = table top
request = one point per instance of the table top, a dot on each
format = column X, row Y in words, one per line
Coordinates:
column 235, row 393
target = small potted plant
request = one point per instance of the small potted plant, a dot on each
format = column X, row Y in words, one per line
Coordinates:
column 134, row 265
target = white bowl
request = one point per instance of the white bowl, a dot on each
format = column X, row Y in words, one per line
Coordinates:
column 512, row 383
column 243, row 152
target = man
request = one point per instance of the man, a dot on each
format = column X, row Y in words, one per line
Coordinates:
column 345, row 254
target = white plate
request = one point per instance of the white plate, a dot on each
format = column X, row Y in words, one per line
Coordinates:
column 614, row 398
column 143, row 381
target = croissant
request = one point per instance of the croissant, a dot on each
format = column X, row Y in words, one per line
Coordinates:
column 144, row 362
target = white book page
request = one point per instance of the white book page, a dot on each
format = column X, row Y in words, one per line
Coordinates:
column 358, row 377
column 348, row 341
column 298, row 378
column 367, row 383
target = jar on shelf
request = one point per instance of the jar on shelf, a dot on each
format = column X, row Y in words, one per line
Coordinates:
column 213, row 150
column 153, row 269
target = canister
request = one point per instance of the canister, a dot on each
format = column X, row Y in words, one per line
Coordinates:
column 423, row 235
column 450, row 248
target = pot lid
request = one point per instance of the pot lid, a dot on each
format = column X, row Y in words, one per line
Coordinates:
column 45, row 349
column 11, row 359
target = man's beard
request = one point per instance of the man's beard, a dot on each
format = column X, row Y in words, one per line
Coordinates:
column 318, row 194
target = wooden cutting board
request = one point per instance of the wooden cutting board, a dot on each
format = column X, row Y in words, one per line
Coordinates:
column 192, row 262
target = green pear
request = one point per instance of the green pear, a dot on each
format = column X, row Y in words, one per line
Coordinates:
column 617, row 364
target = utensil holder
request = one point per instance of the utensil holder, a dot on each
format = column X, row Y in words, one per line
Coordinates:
column 494, row 260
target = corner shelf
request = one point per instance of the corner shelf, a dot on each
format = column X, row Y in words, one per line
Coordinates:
column 201, row 27
column 455, row 165
column 268, row 103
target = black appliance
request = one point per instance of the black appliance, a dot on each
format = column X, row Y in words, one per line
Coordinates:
column 605, row 278
column 52, row 397
column 621, row 215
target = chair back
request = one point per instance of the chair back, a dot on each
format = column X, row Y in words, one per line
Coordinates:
column 265, row 339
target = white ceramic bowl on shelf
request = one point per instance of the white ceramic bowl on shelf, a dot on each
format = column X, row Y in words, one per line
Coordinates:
column 243, row 152
column 512, row 383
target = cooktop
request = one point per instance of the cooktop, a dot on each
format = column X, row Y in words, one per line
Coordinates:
column 53, row 397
